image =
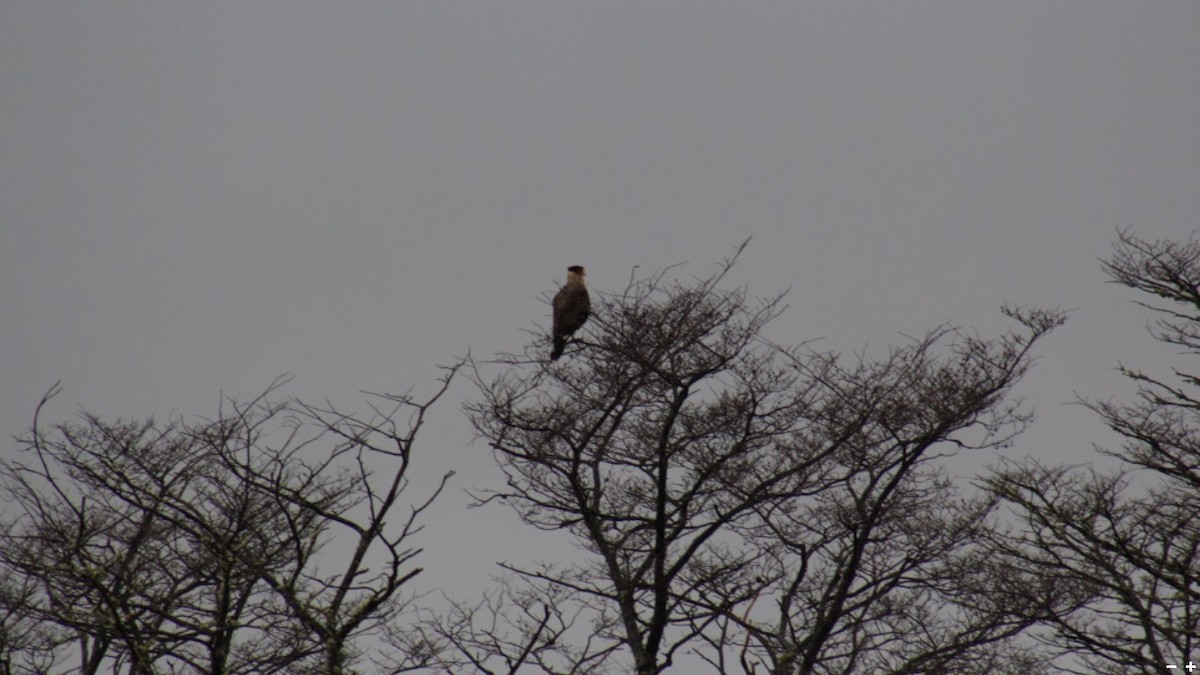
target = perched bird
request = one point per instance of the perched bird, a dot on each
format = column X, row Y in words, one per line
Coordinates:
column 571, row 307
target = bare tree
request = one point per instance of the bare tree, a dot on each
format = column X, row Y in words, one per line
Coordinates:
column 873, row 561
column 517, row 626
column 1126, row 545
column 27, row 644
column 337, row 602
column 94, row 536
column 192, row 546
column 707, row 474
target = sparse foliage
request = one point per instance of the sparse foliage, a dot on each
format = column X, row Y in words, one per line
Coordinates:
column 872, row 562
column 763, row 509
column 1124, row 547
column 769, row 509
column 193, row 546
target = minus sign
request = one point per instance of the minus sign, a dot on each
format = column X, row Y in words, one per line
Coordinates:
column 1172, row 667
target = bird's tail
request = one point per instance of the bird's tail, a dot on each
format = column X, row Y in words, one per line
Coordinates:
column 560, row 343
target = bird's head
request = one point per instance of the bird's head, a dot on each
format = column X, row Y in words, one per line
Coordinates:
column 576, row 273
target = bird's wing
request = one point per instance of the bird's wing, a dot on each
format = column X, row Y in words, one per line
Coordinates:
column 558, row 304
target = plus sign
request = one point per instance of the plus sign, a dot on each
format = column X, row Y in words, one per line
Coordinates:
column 1191, row 666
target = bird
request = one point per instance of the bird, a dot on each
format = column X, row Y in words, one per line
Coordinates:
column 571, row 308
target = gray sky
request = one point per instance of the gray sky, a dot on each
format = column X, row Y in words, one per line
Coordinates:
column 198, row 197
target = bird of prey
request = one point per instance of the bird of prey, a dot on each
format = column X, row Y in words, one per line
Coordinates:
column 571, row 307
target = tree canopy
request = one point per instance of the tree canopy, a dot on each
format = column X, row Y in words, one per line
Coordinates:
column 736, row 503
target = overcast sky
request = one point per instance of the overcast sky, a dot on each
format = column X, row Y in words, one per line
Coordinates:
column 197, row 197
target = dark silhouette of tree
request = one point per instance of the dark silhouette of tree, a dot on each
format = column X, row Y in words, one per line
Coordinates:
column 1125, row 546
column 768, row 509
column 95, row 535
column 873, row 562
column 27, row 645
column 192, row 546
column 334, row 606
column 509, row 629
